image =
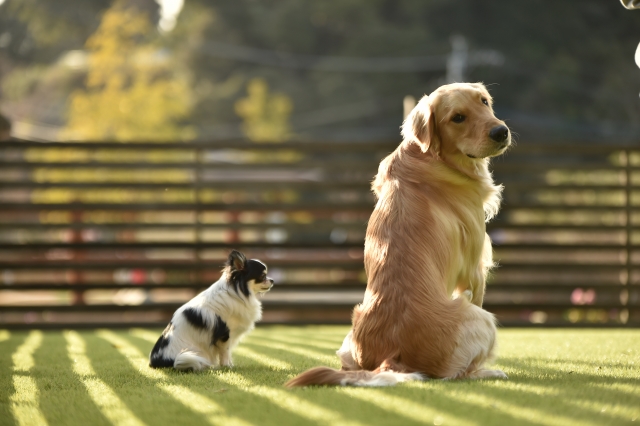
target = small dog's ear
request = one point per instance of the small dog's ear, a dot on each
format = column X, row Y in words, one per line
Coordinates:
column 419, row 126
column 236, row 261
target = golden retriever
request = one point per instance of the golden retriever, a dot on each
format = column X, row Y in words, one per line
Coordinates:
column 427, row 253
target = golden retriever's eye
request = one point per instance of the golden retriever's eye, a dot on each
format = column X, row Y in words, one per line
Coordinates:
column 484, row 101
column 458, row 118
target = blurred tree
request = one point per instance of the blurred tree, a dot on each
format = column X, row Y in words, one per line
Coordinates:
column 131, row 93
column 265, row 115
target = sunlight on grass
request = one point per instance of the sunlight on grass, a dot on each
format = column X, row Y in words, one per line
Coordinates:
column 102, row 395
column 405, row 407
column 265, row 360
column 203, row 405
column 620, row 387
column 586, row 404
column 594, row 408
column 556, row 377
column 523, row 387
column 23, row 356
column 276, row 396
column 132, row 354
column 523, row 413
column 213, row 411
column 305, row 341
column 617, row 408
column 147, row 335
column 308, row 353
column 4, row 335
column 288, row 401
column 334, row 332
column 25, row 404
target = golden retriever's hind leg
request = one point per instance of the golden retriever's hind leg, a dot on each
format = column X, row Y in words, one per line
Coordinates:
column 476, row 346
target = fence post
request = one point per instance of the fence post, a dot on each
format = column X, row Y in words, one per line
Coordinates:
column 199, row 159
column 624, row 294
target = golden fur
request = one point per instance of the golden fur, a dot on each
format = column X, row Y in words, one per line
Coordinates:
column 427, row 254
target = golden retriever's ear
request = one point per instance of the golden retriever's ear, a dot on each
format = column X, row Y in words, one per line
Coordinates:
column 419, row 126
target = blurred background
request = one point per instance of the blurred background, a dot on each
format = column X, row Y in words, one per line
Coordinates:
column 337, row 70
column 146, row 138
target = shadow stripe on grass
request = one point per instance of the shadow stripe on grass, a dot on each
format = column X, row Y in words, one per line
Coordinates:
column 290, row 402
column 214, row 413
column 309, row 342
column 107, row 401
column 405, row 407
column 582, row 408
column 307, row 333
column 306, row 353
column 303, row 411
column 523, row 413
column 141, row 393
column 64, row 399
column 297, row 401
column 7, row 348
column 267, row 361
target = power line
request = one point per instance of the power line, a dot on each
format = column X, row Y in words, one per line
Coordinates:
column 346, row 63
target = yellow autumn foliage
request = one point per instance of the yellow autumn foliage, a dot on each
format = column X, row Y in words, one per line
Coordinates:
column 131, row 92
column 265, row 115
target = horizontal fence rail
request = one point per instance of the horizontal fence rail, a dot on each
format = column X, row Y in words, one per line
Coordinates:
column 111, row 234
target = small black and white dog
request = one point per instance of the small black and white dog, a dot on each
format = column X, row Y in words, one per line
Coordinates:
column 203, row 331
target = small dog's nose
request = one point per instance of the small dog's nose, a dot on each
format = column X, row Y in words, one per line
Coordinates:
column 271, row 281
column 499, row 133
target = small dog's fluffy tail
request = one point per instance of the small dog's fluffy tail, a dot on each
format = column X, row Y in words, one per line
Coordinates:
column 325, row 376
column 189, row 360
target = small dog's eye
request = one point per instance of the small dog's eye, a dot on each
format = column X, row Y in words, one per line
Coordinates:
column 458, row 118
column 484, row 101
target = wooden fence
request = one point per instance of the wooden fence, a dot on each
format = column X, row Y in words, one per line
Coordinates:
column 109, row 234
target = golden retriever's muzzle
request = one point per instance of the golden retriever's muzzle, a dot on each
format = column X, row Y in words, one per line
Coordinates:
column 500, row 135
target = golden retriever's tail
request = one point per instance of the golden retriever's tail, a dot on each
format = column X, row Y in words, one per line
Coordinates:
column 325, row 376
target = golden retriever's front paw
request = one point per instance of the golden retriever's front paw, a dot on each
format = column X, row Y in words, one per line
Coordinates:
column 496, row 374
column 486, row 374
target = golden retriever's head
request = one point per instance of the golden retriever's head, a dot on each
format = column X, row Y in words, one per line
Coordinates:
column 457, row 122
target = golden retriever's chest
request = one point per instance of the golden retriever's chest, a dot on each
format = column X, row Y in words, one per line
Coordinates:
column 461, row 218
column 463, row 232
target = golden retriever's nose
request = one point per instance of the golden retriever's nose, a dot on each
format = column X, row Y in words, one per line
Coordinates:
column 499, row 133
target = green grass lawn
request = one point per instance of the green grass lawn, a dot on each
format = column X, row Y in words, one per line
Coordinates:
column 556, row 377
